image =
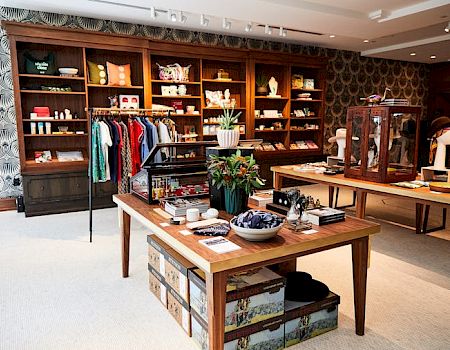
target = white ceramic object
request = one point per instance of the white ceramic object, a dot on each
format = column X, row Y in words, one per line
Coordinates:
column 255, row 234
column 228, row 138
column 71, row 71
column 192, row 214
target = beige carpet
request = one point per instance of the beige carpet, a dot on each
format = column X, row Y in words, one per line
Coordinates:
column 57, row 291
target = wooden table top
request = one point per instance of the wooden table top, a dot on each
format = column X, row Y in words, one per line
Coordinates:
column 422, row 193
column 286, row 243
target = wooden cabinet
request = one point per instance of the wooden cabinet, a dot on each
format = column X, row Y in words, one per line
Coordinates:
column 382, row 143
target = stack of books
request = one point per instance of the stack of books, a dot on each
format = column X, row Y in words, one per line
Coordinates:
column 395, row 102
column 178, row 207
column 261, row 198
column 324, row 216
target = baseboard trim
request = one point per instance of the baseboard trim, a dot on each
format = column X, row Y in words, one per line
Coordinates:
column 7, row 204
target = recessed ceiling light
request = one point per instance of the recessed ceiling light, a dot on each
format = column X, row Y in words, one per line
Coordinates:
column 152, row 12
column 433, row 57
column 332, row 36
column 204, row 21
column 183, row 17
column 248, row 27
column 267, row 29
column 447, row 29
column 226, row 24
column 172, row 16
column 366, row 41
column 412, row 54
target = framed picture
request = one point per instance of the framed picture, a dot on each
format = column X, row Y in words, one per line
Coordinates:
column 297, row 81
column 129, row 101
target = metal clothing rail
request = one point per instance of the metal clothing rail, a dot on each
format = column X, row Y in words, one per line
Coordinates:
column 94, row 112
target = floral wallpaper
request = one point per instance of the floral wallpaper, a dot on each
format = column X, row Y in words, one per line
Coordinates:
column 349, row 76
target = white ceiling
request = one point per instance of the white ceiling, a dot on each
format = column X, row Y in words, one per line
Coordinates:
column 402, row 26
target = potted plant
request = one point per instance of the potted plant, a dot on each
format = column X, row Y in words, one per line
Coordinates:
column 261, row 85
column 227, row 135
column 238, row 175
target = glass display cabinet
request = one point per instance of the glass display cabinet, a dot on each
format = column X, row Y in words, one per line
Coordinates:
column 382, row 143
column 173, row 170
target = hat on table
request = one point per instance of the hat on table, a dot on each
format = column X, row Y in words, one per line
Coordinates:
column 438, row 124
column 300, row 286
column 340, row 134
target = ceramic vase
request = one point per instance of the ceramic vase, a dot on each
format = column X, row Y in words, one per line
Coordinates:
column 235, row 201
column 228, row 138
column 261, row 90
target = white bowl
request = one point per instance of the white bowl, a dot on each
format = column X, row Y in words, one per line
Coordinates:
column 255, row 234
column 71, row 71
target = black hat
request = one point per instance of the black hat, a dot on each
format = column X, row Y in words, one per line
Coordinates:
column 301, row 287
column 438, row 124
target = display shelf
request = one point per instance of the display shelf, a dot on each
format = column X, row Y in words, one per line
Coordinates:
column 158, row 81
column 43, row 76
column 271, row 118
column 303, row 100
column 271, row 98
column 55, row 135
column 176, row 97
column 185, row 115
column 220, row 108
column 55, row 120
column 239, row 123
column 304, row 130
column 31, row 167
column 116, row 87
column 53, row 92
column 281, row 130
column 304, row 118
column 306, row 90
column 218, row 81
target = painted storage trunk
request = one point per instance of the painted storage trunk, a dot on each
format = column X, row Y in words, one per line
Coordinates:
column 157, row 285
column 307, row 320
column 265, row 335
column 254, row 296
column 179, row 309
column 156, row 253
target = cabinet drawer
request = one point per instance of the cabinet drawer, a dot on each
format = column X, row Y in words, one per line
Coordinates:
column 63, row 186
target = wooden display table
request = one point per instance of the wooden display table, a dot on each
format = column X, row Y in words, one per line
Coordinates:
column 283, row 249
column 420, row 196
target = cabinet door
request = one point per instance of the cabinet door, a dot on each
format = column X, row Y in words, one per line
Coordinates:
column 57, row 187
column 356, row 120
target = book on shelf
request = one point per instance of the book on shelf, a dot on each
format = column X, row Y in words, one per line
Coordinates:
column 42, row 156
column 178, row 206
column 325, row 215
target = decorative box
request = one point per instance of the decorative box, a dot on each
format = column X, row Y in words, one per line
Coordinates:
column 307, row 320
column 176, row 273
column 179, row 309
column 157, row 285
column 221, row 74
column 268, row 334
column 382, row 143
column 156, row 254
column 252, row 297
column 129, row 101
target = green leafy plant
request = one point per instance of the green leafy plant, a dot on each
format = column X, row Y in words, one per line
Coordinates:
column 235, row 172
column 262, row 80
column 228, row 119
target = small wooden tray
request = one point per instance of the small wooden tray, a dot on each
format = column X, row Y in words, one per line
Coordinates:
column 440, row 186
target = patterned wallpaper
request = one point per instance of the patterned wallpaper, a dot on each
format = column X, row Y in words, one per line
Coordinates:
column 349, row 76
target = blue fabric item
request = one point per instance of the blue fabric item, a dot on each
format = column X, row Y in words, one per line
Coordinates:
column 113, row 154
column 144, row 144
column 155, row 139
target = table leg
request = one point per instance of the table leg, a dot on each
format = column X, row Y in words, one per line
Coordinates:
column 216, row 293
column 330, row 196
column 284, row 268
column 361, row 197
column 277, row 181
column 360, row 251
column 124, row 223
column 419, row 217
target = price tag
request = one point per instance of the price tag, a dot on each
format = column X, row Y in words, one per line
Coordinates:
column 185, row 232
column 164, row 224
column 309, row 232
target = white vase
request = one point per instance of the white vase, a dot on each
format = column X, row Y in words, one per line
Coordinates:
column 228, row 138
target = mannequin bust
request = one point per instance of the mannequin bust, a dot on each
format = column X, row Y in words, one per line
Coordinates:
column 442, row 142
column 340, row 140
column 273, row 87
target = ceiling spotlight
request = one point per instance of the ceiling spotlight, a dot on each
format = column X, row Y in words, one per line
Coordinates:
column 332, row 36
column 433, row 57
column 282, row 32
column 248, row 27
column 226, row 24
column 172, row 16
column 412, row 54
column 204, row 21
column 183, row 17
column 366, row 41
column 447, row 29
column 152, row 12
column 267, row 29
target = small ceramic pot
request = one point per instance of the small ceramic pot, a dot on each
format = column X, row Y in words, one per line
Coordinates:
column 228, row 138
column 261, row 90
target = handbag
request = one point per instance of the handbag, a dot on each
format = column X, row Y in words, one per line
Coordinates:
column 40, row 66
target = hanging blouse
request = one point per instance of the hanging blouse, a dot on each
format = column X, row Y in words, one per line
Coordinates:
column 106, row 142
column 126, row 160
column 136, row 135
column 98, row 161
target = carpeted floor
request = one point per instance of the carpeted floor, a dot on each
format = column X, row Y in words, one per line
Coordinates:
column 57, row 291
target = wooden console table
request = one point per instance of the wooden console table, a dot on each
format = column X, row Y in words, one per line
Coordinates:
column 283, row 250
column 421, row 196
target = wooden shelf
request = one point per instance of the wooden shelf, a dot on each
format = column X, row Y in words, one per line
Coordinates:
column 176, row 82
column 239, row 123
column 55, row 135
column 303, row 100
column 303, row 130
column 306, row 90
column 271, row 118
column 42, row 76
column 280, row 130
column 288, row 151
column 304, row 118
column 185, row 115
column 116, row 87
column 220, row 108
column 53, row 92
column 176, row 97
column 224, row 81
column 271, row 98
column 55, row 120
column 32, row 167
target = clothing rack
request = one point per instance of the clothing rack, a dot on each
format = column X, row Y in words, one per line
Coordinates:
column 95, row 112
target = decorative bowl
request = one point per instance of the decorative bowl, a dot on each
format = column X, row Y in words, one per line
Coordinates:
column 255, row 234
column 70, row 71
column 63, row 128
